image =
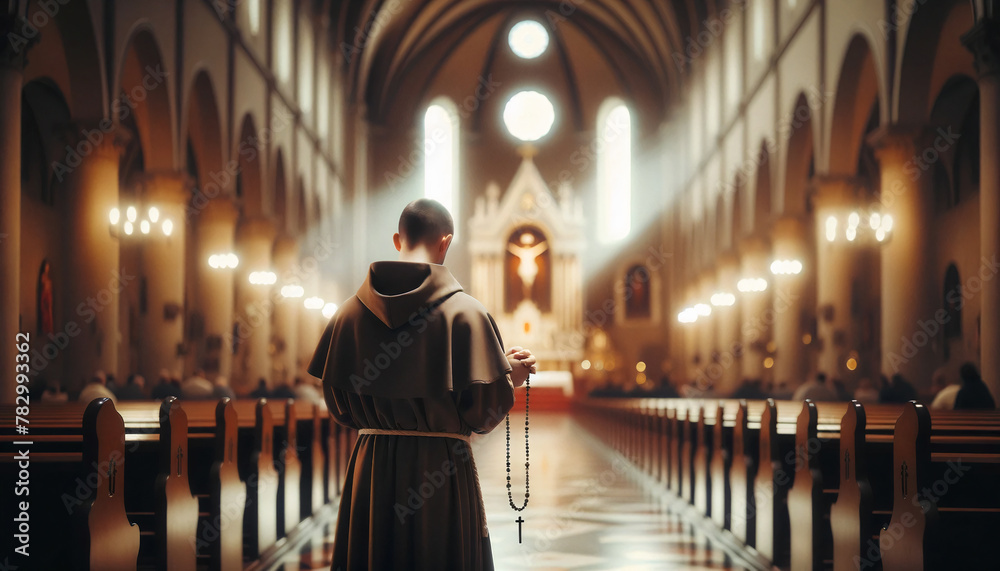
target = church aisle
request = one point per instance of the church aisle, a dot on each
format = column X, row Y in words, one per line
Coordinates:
column 586, row 511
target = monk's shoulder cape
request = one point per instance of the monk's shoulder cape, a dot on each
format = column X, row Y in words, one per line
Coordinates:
column 444, row 346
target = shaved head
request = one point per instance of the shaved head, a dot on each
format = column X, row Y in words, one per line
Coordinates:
column 425, row 221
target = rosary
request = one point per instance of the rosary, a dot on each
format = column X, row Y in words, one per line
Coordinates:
column 510, row 496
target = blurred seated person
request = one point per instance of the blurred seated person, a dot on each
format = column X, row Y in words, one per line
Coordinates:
column 307, row 391
column 53, row 392
column 261, row 391
column 197, row 387
column 840, row 389
column 896, row 390
column 96, row 389
column 665, row 389
column 222, row 388
column 750, row 389
column 165, row 387
column 866, row 392
column 974, row 394
column 133, row 388
column 945, row 392
column 815, row 390
column 283, row 391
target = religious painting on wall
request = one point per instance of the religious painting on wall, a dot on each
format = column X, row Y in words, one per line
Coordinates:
column 44, row 291
column 528, row 270
column 638, row 300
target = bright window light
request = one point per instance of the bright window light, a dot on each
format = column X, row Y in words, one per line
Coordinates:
column 253, row 13
column 758, row 30
column 614, row 171
column 529, row 115
column 528, row 39
column 441, row 153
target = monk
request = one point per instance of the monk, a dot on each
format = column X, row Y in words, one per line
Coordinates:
column 416, row 365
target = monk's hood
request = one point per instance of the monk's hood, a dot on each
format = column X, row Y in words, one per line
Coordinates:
column 395, row 291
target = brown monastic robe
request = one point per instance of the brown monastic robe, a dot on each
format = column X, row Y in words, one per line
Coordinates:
column 412, row 352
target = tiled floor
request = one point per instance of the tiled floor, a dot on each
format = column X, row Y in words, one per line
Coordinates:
column 588, row 511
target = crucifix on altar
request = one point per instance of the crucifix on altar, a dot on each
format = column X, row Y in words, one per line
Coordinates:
column 526, row 245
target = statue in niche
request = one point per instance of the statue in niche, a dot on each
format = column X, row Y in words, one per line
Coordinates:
column 527, row 255
column 44, row 291
column 637, row 294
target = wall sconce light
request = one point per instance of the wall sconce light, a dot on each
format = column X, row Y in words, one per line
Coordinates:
column 877, row 230
column 292, row 290
column 228, row 260
column 263, row 278
column 751, row 285
column 314, row 302
column 688, row 315
column 133, row 222
column 723, row 299
column 786, row 267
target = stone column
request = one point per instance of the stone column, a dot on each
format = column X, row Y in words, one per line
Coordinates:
column 163, row 267
column 788, row 240
column 984, row 42
column 12, row 60
column 216, row 286
column 835, row 266
column 706, row 328
column 286, row 311
column 92, row 295
column 727, row 320
column 756, row 319
column 254, row 306
column 908, row 300
column 311, row 322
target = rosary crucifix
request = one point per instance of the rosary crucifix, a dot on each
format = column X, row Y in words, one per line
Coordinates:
column 510, row 496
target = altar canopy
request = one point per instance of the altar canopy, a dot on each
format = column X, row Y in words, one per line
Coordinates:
column 526, row 245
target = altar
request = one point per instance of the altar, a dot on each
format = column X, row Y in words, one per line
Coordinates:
column 526, row 245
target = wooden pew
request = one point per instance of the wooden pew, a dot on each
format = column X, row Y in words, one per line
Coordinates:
column 704, row 442
column 176, row 507
column 286, row 458
column 228, row 493
column 774, row 478
column 864, row 496
column 310, row 440
column 159, row 495
column 215, row 481
column 256, row 465
column 721, row 462
column 816, row 481
column 945, row 471
column 76, row 499
column 743, row 472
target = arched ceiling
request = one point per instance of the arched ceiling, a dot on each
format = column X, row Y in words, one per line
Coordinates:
column 387, row 43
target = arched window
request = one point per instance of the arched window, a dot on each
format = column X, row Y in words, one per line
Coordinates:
column 614, row 170
column 253, row 15
column 758, row 30
column 440, row 145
